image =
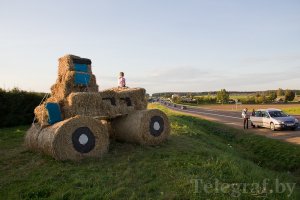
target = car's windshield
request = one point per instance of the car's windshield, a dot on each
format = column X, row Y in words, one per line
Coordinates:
column 276, row 113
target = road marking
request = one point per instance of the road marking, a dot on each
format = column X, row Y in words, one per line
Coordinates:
column 230, row 123
column 210, row 109
column 201, row 112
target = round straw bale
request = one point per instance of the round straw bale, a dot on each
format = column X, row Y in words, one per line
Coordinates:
column 74, row 139
column 146, row 127
column 31, row 137
column 109, row 128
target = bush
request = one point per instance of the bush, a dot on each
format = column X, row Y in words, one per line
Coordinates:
column 206, row 100
column 289, row 95
column 16, row 106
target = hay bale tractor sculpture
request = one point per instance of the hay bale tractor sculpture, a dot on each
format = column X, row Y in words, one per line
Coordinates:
column 77, row 121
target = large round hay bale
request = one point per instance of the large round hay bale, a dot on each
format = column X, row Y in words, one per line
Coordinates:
column 74, row 139
column 146, row 127
column 31, row 137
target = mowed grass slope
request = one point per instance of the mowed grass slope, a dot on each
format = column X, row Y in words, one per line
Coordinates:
column 197, row 149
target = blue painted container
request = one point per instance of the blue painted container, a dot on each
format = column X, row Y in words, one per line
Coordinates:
column 54, row 113
column 82, row 79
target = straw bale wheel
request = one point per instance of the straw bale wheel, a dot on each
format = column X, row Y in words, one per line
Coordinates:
column 146, row 127
column 72, row 139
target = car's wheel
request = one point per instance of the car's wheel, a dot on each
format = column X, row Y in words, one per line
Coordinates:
column 253, row 126
column 294, row 128
column 272, row 126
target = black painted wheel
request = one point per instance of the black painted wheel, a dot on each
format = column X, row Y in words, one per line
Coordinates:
column 156, row 126
column 83, row 140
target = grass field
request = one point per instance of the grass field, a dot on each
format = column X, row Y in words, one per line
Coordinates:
column 201, row 160
column 293, row 109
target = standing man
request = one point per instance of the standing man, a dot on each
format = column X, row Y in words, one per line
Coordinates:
column 245, row 117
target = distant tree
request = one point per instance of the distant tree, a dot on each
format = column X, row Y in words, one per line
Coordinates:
column 189, row 95
column 167, row 95
column 250, row 99
column 261, row 99
column 223, row 96
column 272, row 96
column 289, row 95
column 176, row 99
column 280, row 92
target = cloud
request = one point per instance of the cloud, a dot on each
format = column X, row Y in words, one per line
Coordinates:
column 195, row 79
column 175, row 74
column 192, row 79
column 271, row 59
column 245, row 79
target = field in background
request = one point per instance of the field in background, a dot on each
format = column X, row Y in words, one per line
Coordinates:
column 293, row 109
column 242, row 96
column 197, row 149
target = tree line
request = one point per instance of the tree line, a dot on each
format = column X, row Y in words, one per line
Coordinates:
column 223, row 96
column 17, row 106
column 259, row 97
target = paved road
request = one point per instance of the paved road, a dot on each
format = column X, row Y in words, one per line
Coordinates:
column 234, row 119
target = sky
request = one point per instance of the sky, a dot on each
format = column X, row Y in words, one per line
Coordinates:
column 161, row 45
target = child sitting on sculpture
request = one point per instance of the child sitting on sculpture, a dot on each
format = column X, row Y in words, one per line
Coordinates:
column 121, row 81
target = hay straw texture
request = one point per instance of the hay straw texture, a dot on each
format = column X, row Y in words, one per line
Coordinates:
column 136, row 127
column 65, row 83
column 66, row 64
column 94, row 104
column 61, row 89
column 41, row 112
column 137, row 96
column 57, row 140
column 99, row 104
column 88, row 104
column 31, row 137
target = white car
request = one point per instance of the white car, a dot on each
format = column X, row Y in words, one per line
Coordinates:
column 274, row 119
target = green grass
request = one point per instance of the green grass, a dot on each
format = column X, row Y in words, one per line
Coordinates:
column 197, row 149
column 292, row 111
